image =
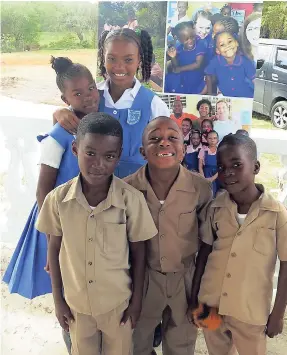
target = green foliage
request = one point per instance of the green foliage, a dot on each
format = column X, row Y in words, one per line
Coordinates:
column 274, row 20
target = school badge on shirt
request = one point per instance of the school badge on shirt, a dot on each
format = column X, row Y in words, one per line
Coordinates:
column 133, row 117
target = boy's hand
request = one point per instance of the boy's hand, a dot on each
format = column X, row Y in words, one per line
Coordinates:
column 191, row 307
column 171, row 52
column 63, row 314
column 274, row 325
column 133, row 312
column 47, row 267
column 67, row 119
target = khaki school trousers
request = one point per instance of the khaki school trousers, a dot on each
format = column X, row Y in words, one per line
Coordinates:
column 235, row 337
column 165, row 299
column 102, row 334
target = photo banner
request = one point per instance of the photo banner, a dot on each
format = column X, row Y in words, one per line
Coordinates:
column 204, row 55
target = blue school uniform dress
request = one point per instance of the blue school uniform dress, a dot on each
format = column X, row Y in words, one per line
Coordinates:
column 233, row 79
column 172, row 83
column 210, row 169
column 192, row 80
column 209, row 44
column 25, row 274
column 133, row 120
column 191, row 161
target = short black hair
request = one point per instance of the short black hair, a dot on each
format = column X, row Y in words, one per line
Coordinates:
column 188, row 120
column 226, row 6
column 195, row 131
column 101, row 123
column 204, row 101
column 181, row 26
column 242, row 131
column 212, row 131
column 230, row 24
column 240, row 140
column 140, row 37
column 67, row 70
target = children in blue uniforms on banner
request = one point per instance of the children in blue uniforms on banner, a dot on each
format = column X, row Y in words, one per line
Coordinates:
column 26, row 273
column 190, row 160
column 188, row 58
column 233, row 72
column 121, row 54
column 208, row 162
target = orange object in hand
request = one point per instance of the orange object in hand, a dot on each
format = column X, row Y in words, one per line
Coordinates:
column 206, row 317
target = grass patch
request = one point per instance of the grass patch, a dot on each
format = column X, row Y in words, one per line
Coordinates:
column 261, row 121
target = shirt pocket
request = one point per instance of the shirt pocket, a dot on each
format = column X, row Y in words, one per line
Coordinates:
column 265, row 241
column 115, row 237
column 188, row 225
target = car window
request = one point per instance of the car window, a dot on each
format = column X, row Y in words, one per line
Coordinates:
column 281, row 58
column 263, row 54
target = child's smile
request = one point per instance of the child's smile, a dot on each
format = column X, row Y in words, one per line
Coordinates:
column 226, row 45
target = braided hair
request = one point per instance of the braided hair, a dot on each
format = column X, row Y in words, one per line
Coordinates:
column 230, row 24
column 67, row 70
column 140, row 37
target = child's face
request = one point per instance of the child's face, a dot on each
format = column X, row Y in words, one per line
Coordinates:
column 204, row 110
column 182, row 7
column 187, row 38
column 253, row 32
column 163, row 146
column 122, row 60
column 236, row 168
column 195, row 140
column 98, row 156
column 217, row 27
column 206, row 126
column 82, row 94
column 185, row 127
column 226, row 45
column 226, row 11
column 203, row 27
column 212, row 139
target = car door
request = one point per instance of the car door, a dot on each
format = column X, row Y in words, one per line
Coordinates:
column 263, row 66
column 279, row 72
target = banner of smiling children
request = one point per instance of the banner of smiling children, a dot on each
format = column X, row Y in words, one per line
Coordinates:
column 203, row 52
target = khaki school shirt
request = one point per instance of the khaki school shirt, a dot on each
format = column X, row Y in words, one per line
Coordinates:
column 178, row 220
column 94, row 254
column 238, row 277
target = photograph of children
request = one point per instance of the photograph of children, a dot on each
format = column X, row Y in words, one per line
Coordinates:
column 211, row 48
column 114, row 16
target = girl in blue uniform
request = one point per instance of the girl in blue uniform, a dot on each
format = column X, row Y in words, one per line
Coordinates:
column 233, row 72
column 190, row 160
column 208, row 162
column 26, row 273
column 188, row 59
column 122, row 54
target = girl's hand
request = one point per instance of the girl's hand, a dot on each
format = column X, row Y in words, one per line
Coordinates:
column 274, row 325
column 133, row 313
column 63, row 314
column 171, row 52
column 67, row 119
column 47, row 267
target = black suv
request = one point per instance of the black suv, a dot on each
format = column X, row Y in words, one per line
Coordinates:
column 270, row 96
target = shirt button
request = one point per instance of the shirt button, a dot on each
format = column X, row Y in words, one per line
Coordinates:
column 232, row 89
column 90, row 263
column 90, row 239
column 232, row 78
column 115, row 112
column 233, row 255
column 162, row 236
column 92, row 216
column 161, row 212
column 228, row 275
column 90, row 281
column 239, row 233
column 163, row 258
column 224, row 294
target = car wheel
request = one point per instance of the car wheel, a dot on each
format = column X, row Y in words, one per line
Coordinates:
column 279, row 114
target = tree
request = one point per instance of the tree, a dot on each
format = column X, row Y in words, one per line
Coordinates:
column 19, row 24
column 274, row 20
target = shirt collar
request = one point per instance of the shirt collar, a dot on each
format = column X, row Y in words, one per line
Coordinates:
column 114, row 197
column 265, row 202
column 223, row 62
column 182, row 182
column 104, row 85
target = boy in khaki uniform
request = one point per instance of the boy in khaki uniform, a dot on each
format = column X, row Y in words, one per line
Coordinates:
column 177, row 199
column 245, row 232
column 95, row 220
